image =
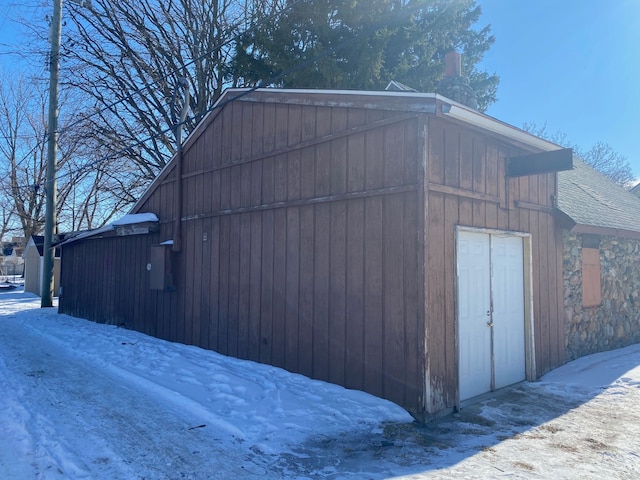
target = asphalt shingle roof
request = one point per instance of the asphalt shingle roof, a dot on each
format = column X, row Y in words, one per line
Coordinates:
column 590, row 198
column 39, row 243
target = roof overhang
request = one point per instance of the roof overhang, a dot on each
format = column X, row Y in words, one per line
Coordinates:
column 604, row 231
column 467, row 115
column 538, row 163
column 131, row 224
column 569, row 224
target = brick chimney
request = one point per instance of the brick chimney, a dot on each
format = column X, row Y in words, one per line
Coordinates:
column 454, row 85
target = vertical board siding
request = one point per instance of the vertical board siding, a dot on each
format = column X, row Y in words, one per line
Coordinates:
column 205, row 285
column 393, row 303
column 450, row 351
column 373, row 299
column 394, row 155
column 274, row 269
column 337, row 292
column 189, row 247
column 292, row 288
column 543, row 322
column 321, row 314
column 354, row 319
column 414, row 285
column 257, row 340
column 441, row 388
column 214, row 286
column 263, row 307
column 233, row 279
column 451, row 157
column 223, row 286
column 327, row 289
column 305, row 303
column 278, row 324
column 485, row 158
column 244, row 286
column 327, row 281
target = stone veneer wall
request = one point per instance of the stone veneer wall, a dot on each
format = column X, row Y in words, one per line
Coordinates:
column 616, row 322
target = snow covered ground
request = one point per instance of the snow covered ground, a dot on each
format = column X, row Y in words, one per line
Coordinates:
column 82, row 400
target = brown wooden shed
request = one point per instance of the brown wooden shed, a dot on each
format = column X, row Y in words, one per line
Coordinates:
column 372, row 239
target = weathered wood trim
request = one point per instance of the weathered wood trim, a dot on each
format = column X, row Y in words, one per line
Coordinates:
column 503, row 181
column 460, row 192
column 529, row 318
column 136, row 228
column 383, row 100
column 304, row 201
column 534, row 206
column 422, row 231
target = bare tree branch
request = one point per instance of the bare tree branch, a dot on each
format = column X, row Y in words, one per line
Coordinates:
column 128, row 56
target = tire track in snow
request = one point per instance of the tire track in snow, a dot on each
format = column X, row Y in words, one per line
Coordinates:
column 125, row 432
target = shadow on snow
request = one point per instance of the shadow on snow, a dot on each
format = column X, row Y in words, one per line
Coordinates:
column 397, row 449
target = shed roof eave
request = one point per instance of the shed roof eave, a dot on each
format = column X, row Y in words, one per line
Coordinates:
column 605, row 231
column 110, row 228
column 311, row 91
column 467, row 115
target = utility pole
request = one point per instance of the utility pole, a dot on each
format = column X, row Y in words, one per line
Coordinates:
column 52, row 154
column 177, row 228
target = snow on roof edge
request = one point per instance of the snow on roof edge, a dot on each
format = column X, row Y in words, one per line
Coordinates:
column 136, row 218
column 128, row 219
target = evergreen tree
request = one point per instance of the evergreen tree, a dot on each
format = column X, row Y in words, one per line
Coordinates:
column 363, row 44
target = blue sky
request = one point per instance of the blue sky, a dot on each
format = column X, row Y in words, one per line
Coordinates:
column 571, row 64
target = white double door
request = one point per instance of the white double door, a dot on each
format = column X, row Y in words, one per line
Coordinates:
column 491, row 326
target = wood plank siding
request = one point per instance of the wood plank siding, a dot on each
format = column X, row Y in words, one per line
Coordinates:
column 295, row 253
column 319, row 236
column 467, row 187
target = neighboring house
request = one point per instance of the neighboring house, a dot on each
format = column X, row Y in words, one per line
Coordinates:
column 636, row 190
column 601, row 240
column 7, row 249
column 11, row 261
column 348, row 236
column 11, row 265
column 33, row 265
